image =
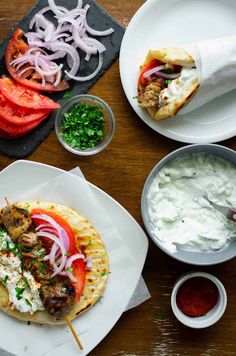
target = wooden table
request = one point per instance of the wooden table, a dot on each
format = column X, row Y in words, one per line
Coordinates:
column 121, row 170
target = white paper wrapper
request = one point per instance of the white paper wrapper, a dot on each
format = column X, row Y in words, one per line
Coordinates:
column 216, row 64
column 75, row 192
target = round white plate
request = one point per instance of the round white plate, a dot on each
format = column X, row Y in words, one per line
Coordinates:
column 163, row 23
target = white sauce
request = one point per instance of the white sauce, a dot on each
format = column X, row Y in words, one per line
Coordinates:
column 180, row 215
column 178, row 86
column 22, row 288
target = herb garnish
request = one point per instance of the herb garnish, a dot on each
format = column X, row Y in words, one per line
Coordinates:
column 19, row 292
column 70, row 269
column 42, row 267
column 103, row 274
column 5, row 279
column 67, row 95
column 83, row 126
column 28, row 302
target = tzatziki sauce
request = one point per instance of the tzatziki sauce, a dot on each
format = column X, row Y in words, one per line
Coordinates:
column 22, row 288
column 181, row 216
column 178, row 87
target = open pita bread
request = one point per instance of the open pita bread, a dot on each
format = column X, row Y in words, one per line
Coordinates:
column 176, row 56
column 90, row 243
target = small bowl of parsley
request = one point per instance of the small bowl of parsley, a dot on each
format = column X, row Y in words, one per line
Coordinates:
column 85, row 125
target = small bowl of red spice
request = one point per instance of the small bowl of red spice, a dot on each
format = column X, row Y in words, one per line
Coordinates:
column 198, row 299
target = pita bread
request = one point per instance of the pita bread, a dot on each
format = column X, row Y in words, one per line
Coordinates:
column 90, row 243
column 177, row 56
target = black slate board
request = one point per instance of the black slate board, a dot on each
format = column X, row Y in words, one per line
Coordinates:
column 98, row 19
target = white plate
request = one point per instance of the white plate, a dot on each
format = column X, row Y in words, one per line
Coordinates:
column 162, row 23
column 57, row 341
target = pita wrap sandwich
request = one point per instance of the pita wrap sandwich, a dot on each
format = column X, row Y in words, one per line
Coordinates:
column 168, row 79
column 53, row 264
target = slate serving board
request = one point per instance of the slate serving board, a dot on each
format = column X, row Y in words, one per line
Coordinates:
column 97, row 18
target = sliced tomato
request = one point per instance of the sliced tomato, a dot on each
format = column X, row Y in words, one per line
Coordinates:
column 78, row 266
column 142, row 82
column 16, row 48
column 25, row 97
column 18, row 130
column 16, row 115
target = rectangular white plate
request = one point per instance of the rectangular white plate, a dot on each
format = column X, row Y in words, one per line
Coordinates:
column 22, row 339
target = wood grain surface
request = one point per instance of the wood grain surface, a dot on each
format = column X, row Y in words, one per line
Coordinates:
column 121, row 170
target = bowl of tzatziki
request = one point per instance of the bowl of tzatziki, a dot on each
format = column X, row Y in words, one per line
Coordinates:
column 177, row 216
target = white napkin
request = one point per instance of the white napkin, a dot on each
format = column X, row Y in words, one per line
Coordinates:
column 141, row 293
column 216, row 65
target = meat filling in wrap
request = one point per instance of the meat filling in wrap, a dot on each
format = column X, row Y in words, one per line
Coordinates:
column 167, row 81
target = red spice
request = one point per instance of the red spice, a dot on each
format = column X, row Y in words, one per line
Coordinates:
column 197, row 296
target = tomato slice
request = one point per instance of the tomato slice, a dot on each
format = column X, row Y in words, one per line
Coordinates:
column 16, row 48
column 19, row 130
column 16, row 115
column 78, row 266
column 142, row 82
column 25, row 97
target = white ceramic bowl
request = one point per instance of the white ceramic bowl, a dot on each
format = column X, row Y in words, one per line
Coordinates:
column 192, row 257
column 212, row 316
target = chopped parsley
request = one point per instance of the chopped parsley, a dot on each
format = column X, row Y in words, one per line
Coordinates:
column 27, row 206
column 168, row 81
column 83, row 126
column 38, row 253
column 19, row 292
column 67, row 253
column 42, row 267
column 5, row 279
column 103, row 274
column 24, row 248
column 63, row 289
column 28, row 302
column 67, row 95
column 69, row 269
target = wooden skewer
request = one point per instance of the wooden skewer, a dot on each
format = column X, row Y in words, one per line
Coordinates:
column 74, row 333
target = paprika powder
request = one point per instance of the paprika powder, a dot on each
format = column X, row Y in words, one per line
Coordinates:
column 197, row 296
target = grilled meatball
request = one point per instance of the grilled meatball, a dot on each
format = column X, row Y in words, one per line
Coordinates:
column 58, row 299
column 16, row 221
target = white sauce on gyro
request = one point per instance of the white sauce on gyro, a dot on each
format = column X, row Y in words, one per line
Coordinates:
column 22, row 288
column 177, row 87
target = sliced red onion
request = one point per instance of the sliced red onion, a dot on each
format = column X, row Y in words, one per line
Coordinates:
column 168, row 76
column 76, row 256
column 48, row 26
column 88, row 77
column 70, row 260
column 94, row 32
column 56, row 9
column 61, row 246
column 57, row 46
column 71, row 28
column 95, row 44
column 25, row 70
column 153, row 71
column 59, row 229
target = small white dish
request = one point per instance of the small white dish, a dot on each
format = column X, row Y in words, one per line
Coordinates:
column 163, row 23
column 212, row 316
